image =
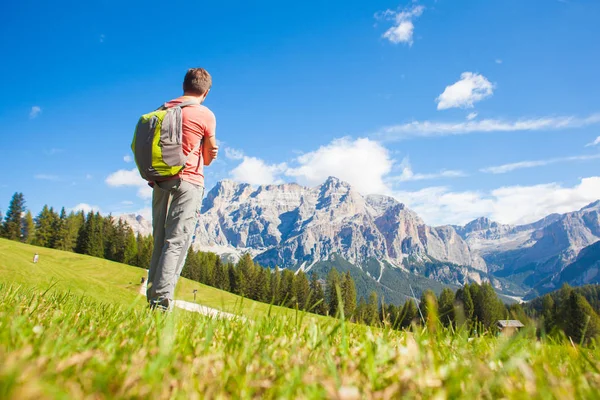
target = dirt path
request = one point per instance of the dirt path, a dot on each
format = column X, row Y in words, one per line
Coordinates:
column 193, row 307
column 199, row 308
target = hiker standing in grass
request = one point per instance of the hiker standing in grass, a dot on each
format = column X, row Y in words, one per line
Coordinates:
column 171, row 146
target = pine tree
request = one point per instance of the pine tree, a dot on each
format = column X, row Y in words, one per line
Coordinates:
column 582, row 323
column 145, row 246
column 11, row 229
column 261, row 284
column 408, row 314
column 302, row 290
column 488, row 308
column 429, row 307
column 74, row 222
column 333, row 287
column 221, row 275
column 130, row 251
column 62, row 239
column 275, row 286
column 465, row 302
column 446, row 304
column 372, row 312
column 548, row 313
column 288, row 295
column 246, row 275
column 317, row 297
column 28, row 228
column 348, row 295
column 45, row 223
column 233, row 279
column 360, row 313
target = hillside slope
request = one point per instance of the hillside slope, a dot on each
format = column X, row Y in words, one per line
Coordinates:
column 105, row 281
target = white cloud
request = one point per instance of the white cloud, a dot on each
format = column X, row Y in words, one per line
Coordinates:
column 102, row 37
column 594, row 143
column 472, row 116
column 408, row 174
column 127, row 202
column 130, row 177
column 255, row 171
column 35, row 111
column 470, row 89
column 509, row 205
column 501, row 169
column 434, row 128
column 362, row 162
column 403, row 28
column 46, row 177
column 498, row 61
column 125, row 178
column 233, row 154
column 127, row 158
column 86, row 208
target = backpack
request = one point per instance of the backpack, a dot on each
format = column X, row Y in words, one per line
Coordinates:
column 157, row 143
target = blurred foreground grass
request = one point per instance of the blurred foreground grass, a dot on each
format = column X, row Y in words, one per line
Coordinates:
column 54, row 344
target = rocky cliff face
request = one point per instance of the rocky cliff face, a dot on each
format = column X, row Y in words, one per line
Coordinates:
column 293, row 226
column 542, row 248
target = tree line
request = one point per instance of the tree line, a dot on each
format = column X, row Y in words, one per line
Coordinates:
column 475, row 307
column 90, row 234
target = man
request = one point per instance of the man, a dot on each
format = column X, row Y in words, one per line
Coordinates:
column 176, row 202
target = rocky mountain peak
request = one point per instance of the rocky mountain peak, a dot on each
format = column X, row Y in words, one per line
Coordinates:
column 595, row 206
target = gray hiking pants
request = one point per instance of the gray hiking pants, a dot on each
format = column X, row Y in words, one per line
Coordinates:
column 175, row 213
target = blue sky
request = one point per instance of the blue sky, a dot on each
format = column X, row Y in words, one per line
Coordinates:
column 457, row 108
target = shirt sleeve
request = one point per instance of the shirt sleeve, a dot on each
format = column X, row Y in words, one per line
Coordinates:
column 211, row 124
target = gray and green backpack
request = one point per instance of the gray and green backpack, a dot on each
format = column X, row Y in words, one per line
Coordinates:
column 157, row 143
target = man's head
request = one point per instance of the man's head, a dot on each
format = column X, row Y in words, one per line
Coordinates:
column 197, row 83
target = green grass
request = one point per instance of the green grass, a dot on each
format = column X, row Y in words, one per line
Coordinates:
column 90, row 338
column 105, row 280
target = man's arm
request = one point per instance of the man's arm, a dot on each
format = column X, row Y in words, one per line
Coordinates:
column 209, row 149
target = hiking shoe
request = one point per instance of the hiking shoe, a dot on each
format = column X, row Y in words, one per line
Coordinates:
column 160, row 304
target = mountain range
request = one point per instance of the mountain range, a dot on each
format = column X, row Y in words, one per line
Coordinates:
column 386, row 246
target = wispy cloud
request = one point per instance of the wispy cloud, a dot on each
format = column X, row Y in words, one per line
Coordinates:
column 508, row 205
column 255, row 171
column 46, row 177
column 502, row 169
column 127, row 158
column 470, row 89
column 472, row 116
column 436, row 128
column 594, row 143
column 34, row 112
column 132, row 178
column 102, row 37
column 498, row 61
column 233, row 154
column 403, row 28
column 408, row 175
column 86, row 208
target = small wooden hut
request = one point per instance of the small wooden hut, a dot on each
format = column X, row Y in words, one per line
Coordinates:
column 509, row 327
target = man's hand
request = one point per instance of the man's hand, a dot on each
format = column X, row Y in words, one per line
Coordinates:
column 214, row 152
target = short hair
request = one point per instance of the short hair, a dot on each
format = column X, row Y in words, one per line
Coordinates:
column 197, row 81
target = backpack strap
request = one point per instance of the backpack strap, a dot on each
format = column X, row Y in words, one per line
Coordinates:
column 180, row 105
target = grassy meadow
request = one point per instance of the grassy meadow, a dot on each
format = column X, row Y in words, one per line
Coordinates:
column 73, row 326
